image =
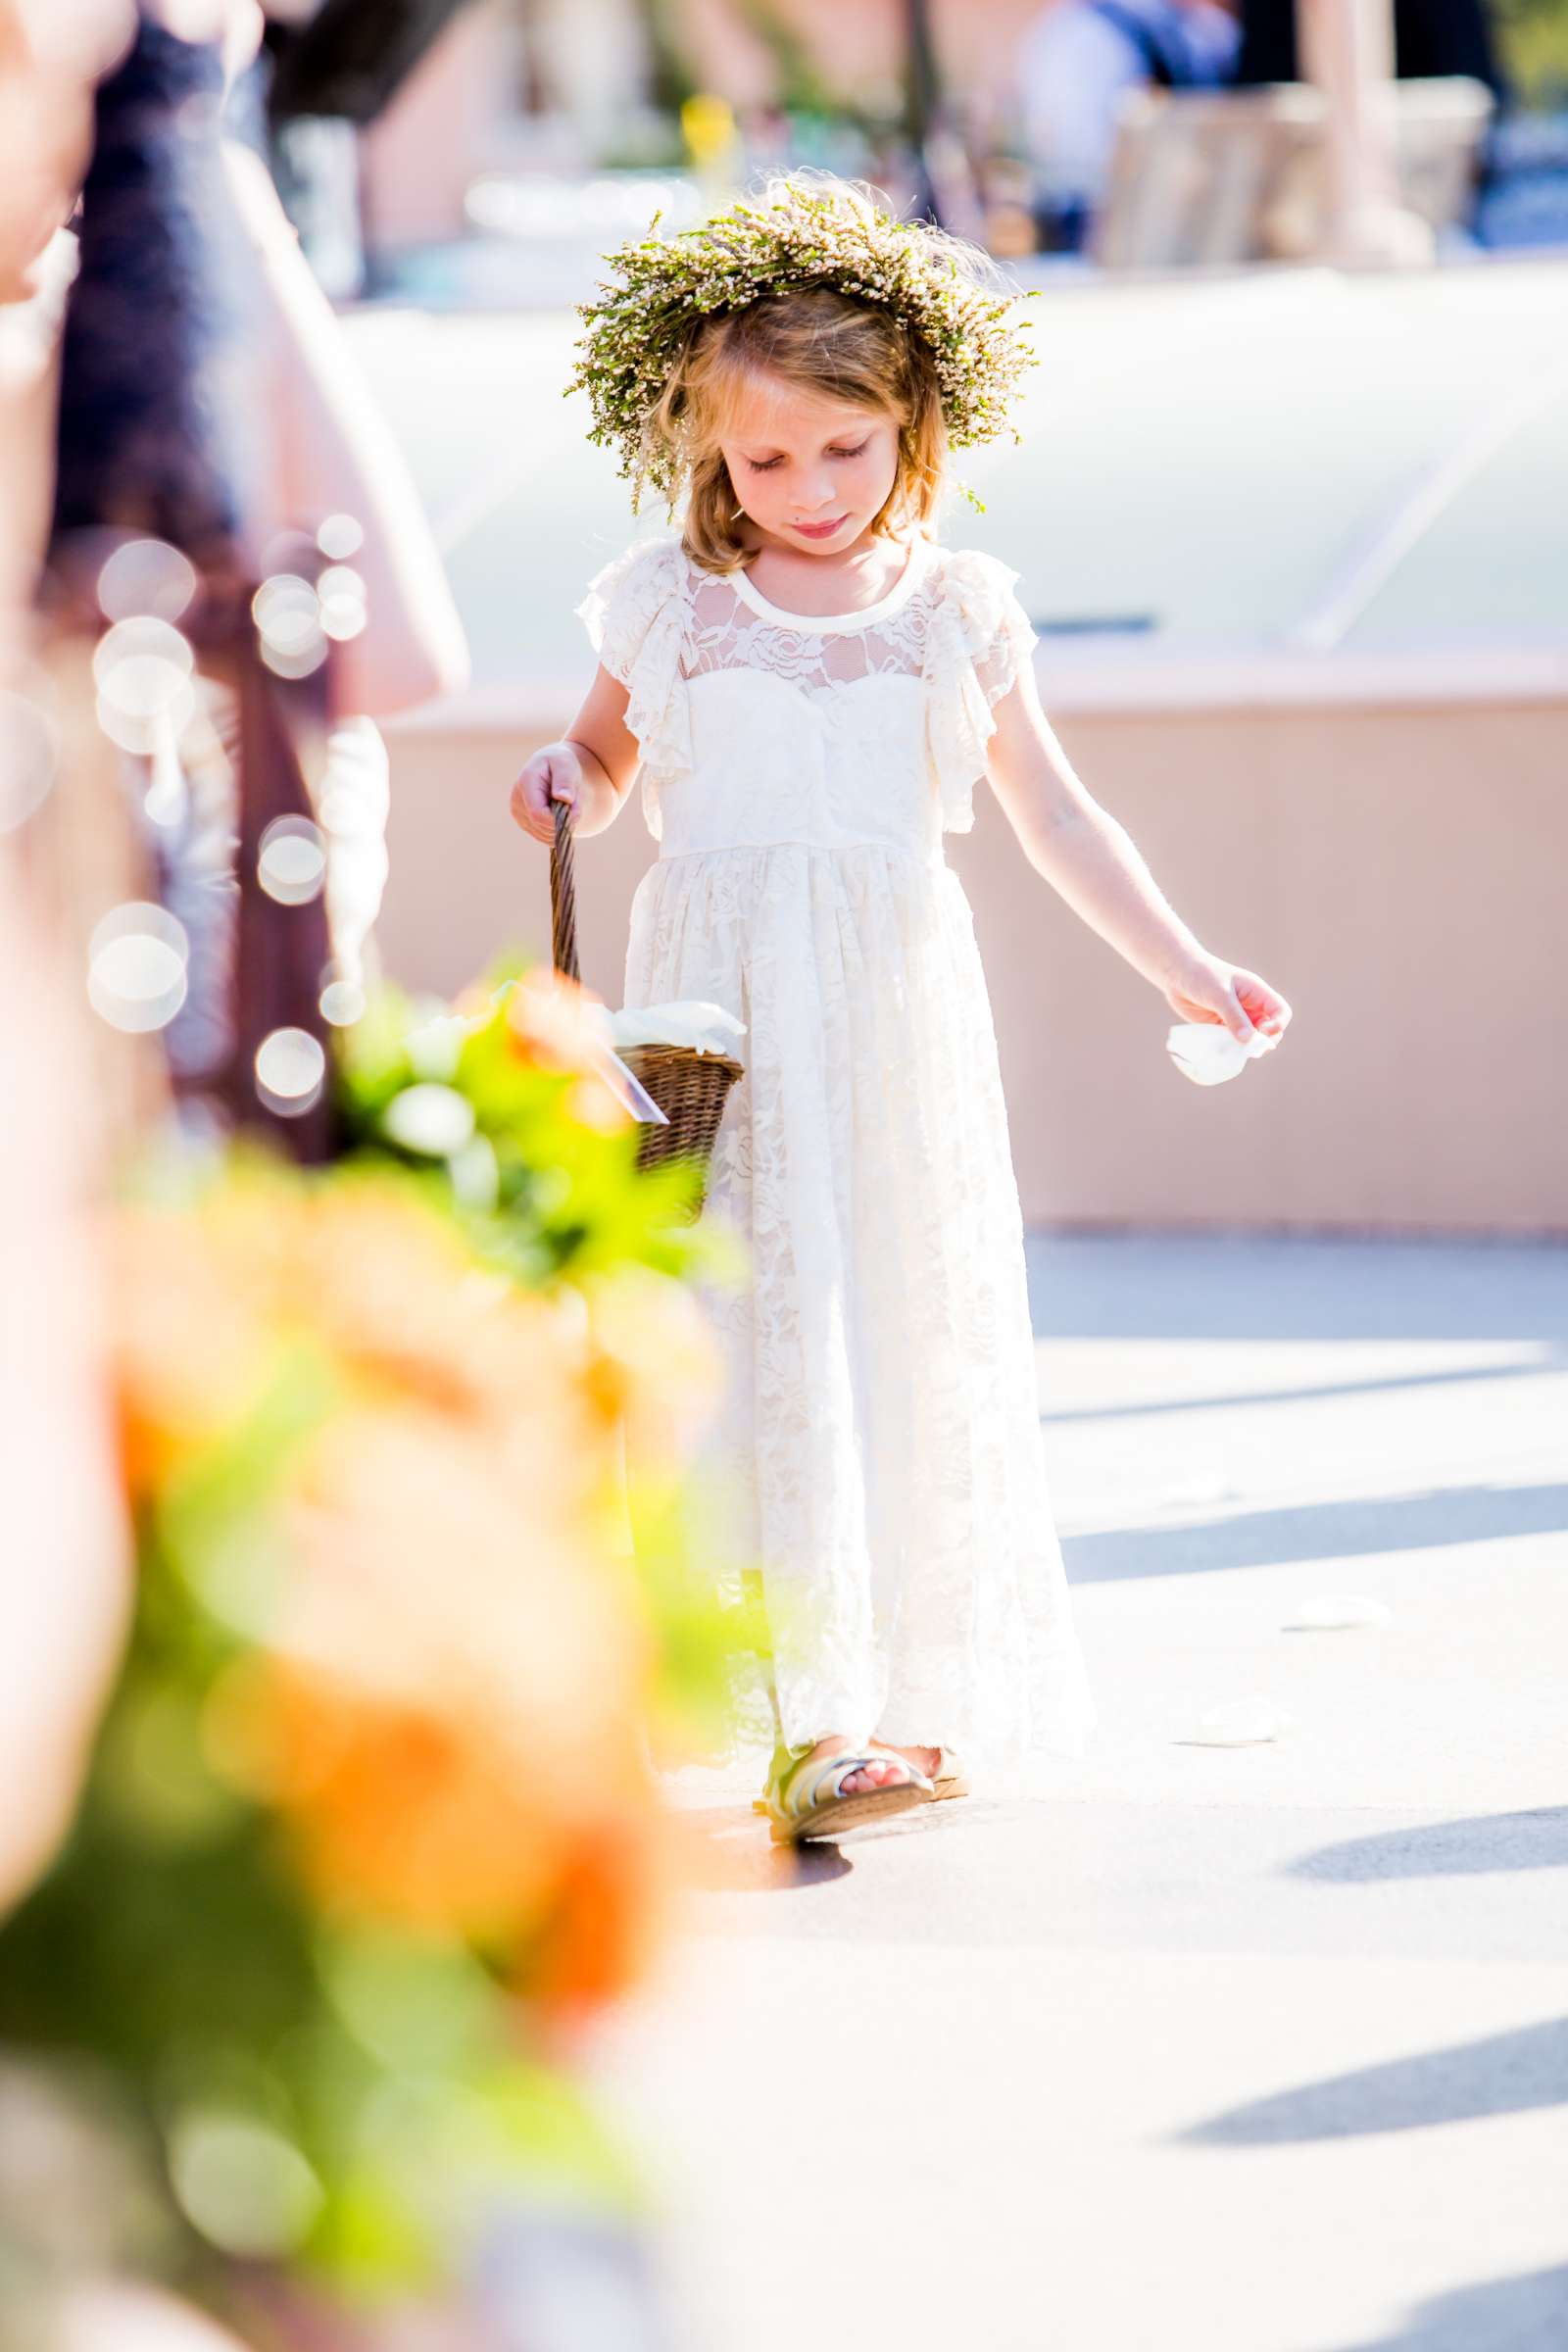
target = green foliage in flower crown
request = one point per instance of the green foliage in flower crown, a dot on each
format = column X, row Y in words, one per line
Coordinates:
column 796, row 235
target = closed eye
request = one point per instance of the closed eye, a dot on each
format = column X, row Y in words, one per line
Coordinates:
column 766, row 464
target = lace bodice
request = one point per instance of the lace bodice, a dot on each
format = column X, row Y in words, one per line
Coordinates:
column 759, row 725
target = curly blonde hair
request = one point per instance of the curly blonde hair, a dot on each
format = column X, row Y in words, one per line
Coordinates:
column 821, row 343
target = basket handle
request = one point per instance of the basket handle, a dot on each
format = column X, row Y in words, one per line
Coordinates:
column 563, row 894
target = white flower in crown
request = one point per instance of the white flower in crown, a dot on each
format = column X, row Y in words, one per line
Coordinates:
column 799, row 234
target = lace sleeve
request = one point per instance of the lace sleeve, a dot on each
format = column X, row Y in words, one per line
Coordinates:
column 980, row 638
column 637, row 613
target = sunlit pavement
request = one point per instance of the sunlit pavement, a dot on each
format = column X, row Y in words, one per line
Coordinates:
column 1247, row 2049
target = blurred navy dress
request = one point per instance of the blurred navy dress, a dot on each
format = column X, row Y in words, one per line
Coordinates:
column 160, row 437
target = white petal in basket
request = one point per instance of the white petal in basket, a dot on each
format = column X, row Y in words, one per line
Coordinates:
column 1206, row 1052
column 693, row 1021
column 1336, row 1612
column 1237, row 1722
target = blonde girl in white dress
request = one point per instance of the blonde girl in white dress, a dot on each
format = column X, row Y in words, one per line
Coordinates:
column 811, row 687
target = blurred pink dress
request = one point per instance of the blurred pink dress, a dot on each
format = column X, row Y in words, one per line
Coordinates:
column 880, row 1446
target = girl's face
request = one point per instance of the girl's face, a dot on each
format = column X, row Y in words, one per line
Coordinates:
column 809, row 471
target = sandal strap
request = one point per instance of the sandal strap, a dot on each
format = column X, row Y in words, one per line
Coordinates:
column 786, row 1792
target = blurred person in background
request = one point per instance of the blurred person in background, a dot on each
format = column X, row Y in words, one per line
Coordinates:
column 102, row 412
column 1078, row 61
column 64, row 1595
column 49, row 62
column 209, row 414
column 103, row 424
column 63, row 1615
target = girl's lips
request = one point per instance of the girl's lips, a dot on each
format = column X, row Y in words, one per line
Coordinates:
column 821, row 530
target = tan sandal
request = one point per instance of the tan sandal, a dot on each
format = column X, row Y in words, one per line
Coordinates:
column 804, row 1801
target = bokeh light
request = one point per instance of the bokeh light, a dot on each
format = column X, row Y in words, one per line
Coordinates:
column 291, row 863
column 146, row 577
column 341, row 591
column 287, row 613
column 244, row 2185
column 342, row 1003
column 290, row 1072
column 143, row 669
column 137, row 965
column 340, row 537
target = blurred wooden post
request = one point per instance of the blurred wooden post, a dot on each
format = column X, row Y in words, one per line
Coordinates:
column 1346, row 49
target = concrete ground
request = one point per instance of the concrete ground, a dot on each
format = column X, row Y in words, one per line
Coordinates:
column 1246, row 2049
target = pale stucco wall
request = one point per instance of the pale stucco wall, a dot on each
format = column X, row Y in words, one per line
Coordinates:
column 1397, row 871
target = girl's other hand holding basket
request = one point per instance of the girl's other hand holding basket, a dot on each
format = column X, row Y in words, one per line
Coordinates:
column 554, row 773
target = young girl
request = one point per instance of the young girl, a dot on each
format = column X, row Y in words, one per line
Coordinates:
column 813, row 686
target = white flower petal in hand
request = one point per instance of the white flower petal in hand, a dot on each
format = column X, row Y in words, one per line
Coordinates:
column 1206, row 1052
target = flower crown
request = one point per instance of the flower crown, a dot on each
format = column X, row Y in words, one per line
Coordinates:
column 791, row 239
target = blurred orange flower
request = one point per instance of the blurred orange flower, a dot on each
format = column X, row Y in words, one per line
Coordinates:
column 613, row 1893
column 191, row 1343
column 555, row 1022
column 654, row 1366
column 446, row 1707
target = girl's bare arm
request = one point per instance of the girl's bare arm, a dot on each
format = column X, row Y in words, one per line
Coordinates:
column 593, row 765
column 1088, row 858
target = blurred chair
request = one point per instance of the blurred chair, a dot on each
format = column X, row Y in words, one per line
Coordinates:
column 1216, row 178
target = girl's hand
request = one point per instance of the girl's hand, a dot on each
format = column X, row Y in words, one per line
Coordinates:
column 1207, row 989
column 554, row 773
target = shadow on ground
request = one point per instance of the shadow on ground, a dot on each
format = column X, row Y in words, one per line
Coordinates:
column 1421, row 1521
column 726, row 1849
column 1505, row 2074
column 1527, row 2314
column 1486, row 1842
column 1246, row 1285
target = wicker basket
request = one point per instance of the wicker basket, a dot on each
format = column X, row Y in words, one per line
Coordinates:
column 690, row 1088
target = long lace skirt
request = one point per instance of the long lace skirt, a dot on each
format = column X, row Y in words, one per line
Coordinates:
column 878, row 1453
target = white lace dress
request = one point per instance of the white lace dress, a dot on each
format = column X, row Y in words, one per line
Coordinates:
column 880, row 1451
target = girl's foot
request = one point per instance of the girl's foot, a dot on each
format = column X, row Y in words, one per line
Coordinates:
column 940, row 1766
column 874, row 1775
